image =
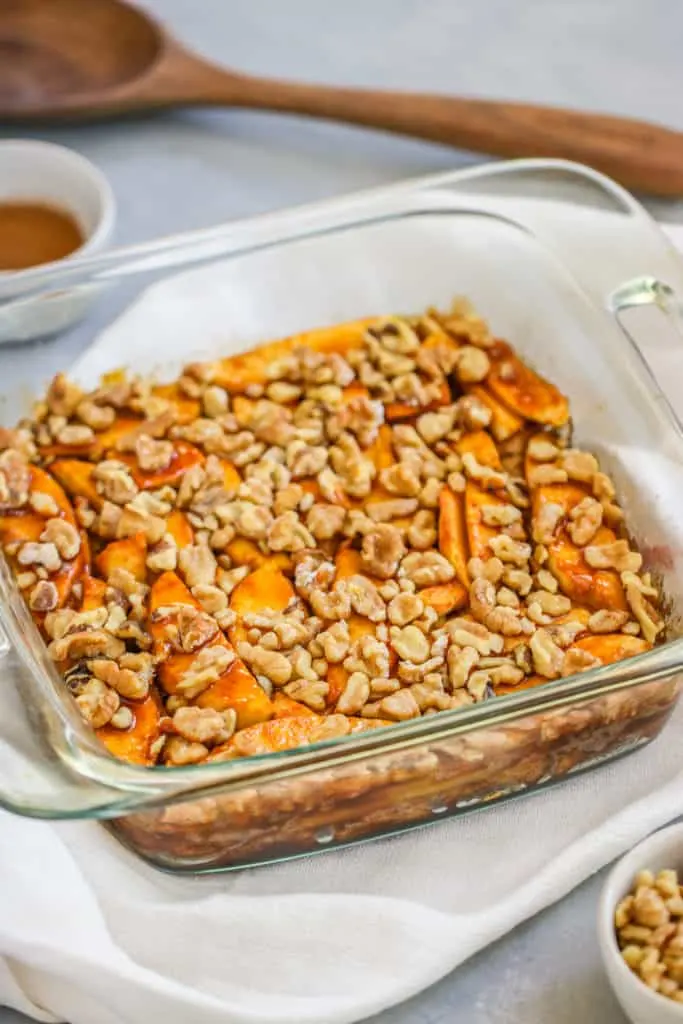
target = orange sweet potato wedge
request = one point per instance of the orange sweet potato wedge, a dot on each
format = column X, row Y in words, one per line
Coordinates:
column 236, row 688
column 76, row 477
column 522, row 390
column 185, row 456
column 236, row 373
column 592, row 588
column 109, row 438
column 479, row 533
column 94, row 593
column 504, row 422
column 445, row 597
column 187, row 409
column 611, row 647
column 283, row 734
column 452, row 533
column 397, row 411
column 135, row 744
column 246, row 552
column 264, row 589
column 129, row 554
column 481, row 445
column 285, row 707
column 179, row 528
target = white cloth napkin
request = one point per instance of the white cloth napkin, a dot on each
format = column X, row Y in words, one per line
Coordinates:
column 91, row 936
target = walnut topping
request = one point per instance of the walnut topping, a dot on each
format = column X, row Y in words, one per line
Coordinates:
column 44, row 597
column 97, row 703
column 472, row 364
column 288, row 533
column 200, row 725
column 324, row 521
column 399, row 706
column 128, row 683
column 616, row 555
column 548, row 657
column 421, row 533
column 581, row 466
column 271, row 664
column 64, row 536
column 541, row 476
column 410, row 643
column 605, row 621
column 43, row 504
column 486, row 476
column 382, row 550
column 405, row 608
column 546, row 523
column 586, row 520
column 510, row 551
column 206, row 668
column 33, row 553
column 152, row 455
column 15, row 480
column 542, row 450
column 198, row 564
column 114, row 482
column 74, row 435
column 356, row 694
column 365, row 598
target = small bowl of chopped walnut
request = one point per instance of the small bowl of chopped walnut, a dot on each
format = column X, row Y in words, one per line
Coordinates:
column 640, row 929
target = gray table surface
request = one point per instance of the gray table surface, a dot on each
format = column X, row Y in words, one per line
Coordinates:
column 188, row 170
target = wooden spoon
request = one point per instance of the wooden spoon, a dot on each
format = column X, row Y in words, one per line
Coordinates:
column 88, row 59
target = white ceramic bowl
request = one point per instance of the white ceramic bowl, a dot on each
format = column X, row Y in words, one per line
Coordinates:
column 663, row 849
column 43, row 172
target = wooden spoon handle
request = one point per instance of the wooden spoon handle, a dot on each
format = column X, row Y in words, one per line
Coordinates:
column 645, row 157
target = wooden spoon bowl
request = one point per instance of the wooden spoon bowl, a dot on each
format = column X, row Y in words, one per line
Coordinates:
column 88, row 59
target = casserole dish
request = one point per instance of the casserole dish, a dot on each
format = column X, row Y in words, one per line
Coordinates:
column 404, row 248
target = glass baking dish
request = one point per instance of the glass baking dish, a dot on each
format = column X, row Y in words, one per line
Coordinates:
column 504, row 237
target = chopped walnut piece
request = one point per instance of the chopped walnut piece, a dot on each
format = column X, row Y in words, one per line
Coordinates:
column 98, row 417
column 324, row 521
column 510, row 551
column 472, row 365
column 578, row 660
column 382, row 550
column 163, row 557
column 542, row 450
column 410, row 643
column 500, row 515
column 152, row 455
column 271, row 664
column 206, row 668
column 74, row 435
column 63, row 396
column 312, row 693
column 179, row 751
column 288, row 533
column 114, row 482
column 581, row 466
column 133, row 685
column 333, row 604
column 433, row 426
column 97, row 703
column 401, row 479
column 606, row 621
column 198, row 564
column 426, row 568
column 63, row 536
column 44, row 597
column 616, row 555
column 547, row 521
column 43, row 504
column 544, row 474
column 33, row 553
column 200, row 725
column 395, row 508
column 365, row 598
column 586, row 519
column 421, row 533
column 646, row 615
column 484, row 475
column 355, row 695
column 399, row 706
column 548, row 657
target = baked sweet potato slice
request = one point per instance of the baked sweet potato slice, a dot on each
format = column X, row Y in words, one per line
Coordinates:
column 452, row 533
column 265, row 589
column 395, row 412
column 108, row 439
column 523, row 390
column 76, row 477
column 504, row 423
column 286, row 707
column 187, row 409
column 592, row 588
column 94, row 593
column 247, row 552
column 129, row 554
column 480, row 533
column 134, row 744
column 236, row 688
column 611, row 647
column 179, row 528
column 481, row 445
column 445, row 597
column 284, row 734
column 348, row 563
column 236, row 373
column 185, row 456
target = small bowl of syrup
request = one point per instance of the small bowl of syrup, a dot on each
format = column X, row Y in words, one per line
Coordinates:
column 54, row 204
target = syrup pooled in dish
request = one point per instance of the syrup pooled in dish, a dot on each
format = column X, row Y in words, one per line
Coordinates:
column 352, row 527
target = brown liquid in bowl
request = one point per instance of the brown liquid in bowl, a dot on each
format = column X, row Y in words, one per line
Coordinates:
column 33, row 233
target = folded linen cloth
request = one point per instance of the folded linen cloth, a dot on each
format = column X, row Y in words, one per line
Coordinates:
column 91, row 936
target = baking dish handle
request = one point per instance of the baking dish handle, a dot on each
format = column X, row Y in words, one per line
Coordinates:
column 650, row 315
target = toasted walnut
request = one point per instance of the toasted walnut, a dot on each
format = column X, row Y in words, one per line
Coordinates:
column 15, row 480
column 404, row 608
column 271, row 664
column 114, row 482
column 288, row 533
column 510, row 551
column 421, row 533
column 335, row 642
column 472, row 365
column 430, row 493
column 64, row 536
column 163, row 557
column 312, row 693
column 548, row 657
column 426, row 568
column 250, row 520
column 433, row 426
column 492, row 569
column 504, row 620
column 333, row 604
column 461, row 661
column 43, row 504
column 33, row 553
column 97, row 703
column 199, row 725
column 324, row 521
column 578, row 660
column 63, row 396
column 382, row 550
column 550, row 604
column 603, row 488
column 365, row 598
column 126, row 522
column 500, row 515
column 179, row 751
column 646, row 615
column 465, row 633
column 74, row 435
column 542, row 450
column 581, row 466
column 44, row 597
column 402, row 479
column 544, row 474
column 586, row 519
column 486, row 476
column 472, row 413
column 152, row 455
column 206, row 668
column 126, row 682
column 482, row 597
column 394, row 508
column 215, row 402
column 410, row 643
column 98, row 417
column 616, row 555
column 605, row 621
column 198, row 564
column 304, row 460
column 356, row 694
column 547, row 521
column 399, row 706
